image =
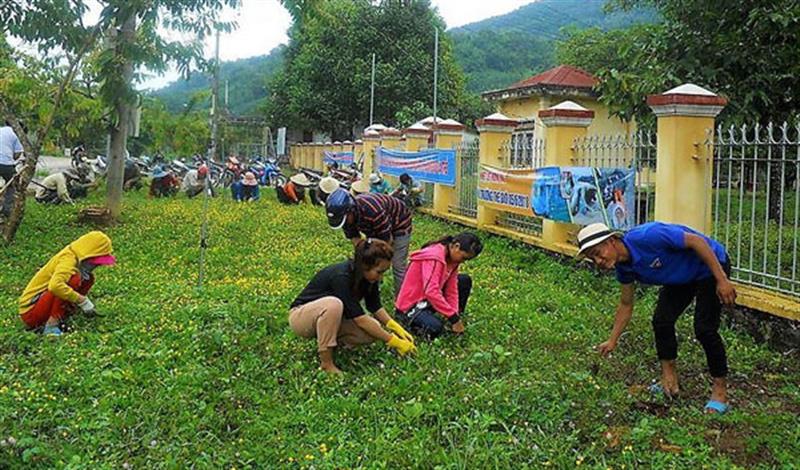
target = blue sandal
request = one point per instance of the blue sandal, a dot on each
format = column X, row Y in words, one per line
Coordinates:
column 717, row 407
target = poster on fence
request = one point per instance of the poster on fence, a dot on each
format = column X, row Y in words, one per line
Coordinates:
column 506, row 190
column 342, row 158
column 429, row 166
column 585, row 195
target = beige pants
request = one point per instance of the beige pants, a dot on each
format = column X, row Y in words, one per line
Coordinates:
column 322, row 319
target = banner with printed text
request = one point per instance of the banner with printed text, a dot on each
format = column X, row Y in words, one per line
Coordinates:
column 342, row 158
column 506, row 190
column 429, row 166
column 585, row 195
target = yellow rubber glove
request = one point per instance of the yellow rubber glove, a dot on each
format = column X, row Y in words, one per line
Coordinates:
column 401, row 333
column 402, row 346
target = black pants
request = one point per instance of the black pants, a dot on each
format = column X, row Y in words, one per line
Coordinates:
column 672, row 301
column 430, row 324
column 7, row 172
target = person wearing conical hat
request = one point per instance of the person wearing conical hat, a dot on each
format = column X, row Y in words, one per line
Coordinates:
column 294, row 191
column 163, row 184
column 325, row 188
column 62, row 286
column 250, row 190
column 359, row 187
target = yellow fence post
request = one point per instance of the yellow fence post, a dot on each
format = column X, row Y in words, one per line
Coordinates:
column 327, row 147
column 316, row 157
column 449, row 135
column 417, row 137
column 392, row 139
column 358, row 150
column 494, row 130
column 683, row 170
column 565, row 122
column 305, row 149
column 372, row 140
column 338, row 147
column 312, row 149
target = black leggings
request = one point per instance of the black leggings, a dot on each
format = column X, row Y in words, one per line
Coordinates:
column 7, row 172
column 672, row 301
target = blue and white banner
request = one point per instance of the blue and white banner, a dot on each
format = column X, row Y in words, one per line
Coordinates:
column 342, row 158
column 429, row 166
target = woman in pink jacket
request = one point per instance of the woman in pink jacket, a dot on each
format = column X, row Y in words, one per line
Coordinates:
column 433, row 292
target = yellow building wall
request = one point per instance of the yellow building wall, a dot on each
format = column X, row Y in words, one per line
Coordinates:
column 529, row 107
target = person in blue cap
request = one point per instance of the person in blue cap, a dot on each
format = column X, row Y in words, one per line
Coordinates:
column 689, row 266
column 164, row 183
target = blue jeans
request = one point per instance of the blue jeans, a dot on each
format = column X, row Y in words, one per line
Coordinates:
column 430, row 324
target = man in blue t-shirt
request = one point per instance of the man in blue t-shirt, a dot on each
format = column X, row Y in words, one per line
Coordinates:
column 689, row 266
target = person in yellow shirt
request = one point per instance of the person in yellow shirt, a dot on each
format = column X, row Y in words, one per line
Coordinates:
column 62, row 285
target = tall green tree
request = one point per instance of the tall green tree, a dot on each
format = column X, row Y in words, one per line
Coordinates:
column 136, row 34
column 747, row 52
column 326, row 79
column 37, row 93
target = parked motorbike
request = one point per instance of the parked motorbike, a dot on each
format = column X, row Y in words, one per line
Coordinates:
column 273, row 176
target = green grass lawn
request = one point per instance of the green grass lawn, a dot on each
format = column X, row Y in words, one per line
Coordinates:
column 176, row 378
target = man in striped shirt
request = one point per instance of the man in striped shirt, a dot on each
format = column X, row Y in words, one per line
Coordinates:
column 375, row 216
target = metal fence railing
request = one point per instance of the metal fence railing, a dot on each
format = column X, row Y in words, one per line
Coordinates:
column 756, row 202
column 468, row 166
column 528, row 225
column 523, row 151
column 636, row 151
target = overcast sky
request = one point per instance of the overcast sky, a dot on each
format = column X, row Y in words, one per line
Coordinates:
column 263, row 25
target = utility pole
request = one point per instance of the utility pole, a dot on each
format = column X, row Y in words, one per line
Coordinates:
column 372, row 95
column 215, row 105
column 435, row 86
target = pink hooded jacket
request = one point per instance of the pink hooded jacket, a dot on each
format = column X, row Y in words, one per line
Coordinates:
column 427, row 278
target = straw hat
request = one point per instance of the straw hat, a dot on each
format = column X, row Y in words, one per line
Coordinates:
column 300, row 179
column 359, row 187
column 328, row 185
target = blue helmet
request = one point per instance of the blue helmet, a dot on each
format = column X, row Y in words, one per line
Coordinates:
column 338, row 204
column 159, row 172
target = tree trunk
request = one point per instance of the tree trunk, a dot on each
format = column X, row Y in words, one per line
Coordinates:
column 119, row 134
column 20, row 187
column 32, row 144
column 30, row 151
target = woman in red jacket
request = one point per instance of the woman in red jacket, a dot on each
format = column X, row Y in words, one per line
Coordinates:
column 433, row 291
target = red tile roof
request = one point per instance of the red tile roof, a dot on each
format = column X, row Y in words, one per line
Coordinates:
column 561, row 76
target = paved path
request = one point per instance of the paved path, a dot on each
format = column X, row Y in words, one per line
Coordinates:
column 52, row 164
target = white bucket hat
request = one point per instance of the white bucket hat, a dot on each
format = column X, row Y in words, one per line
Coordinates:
column 593, row 235
column 375, row 178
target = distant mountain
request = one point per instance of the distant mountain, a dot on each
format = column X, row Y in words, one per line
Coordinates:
column 499, row 51
column 247, row 83
column 494, row 52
